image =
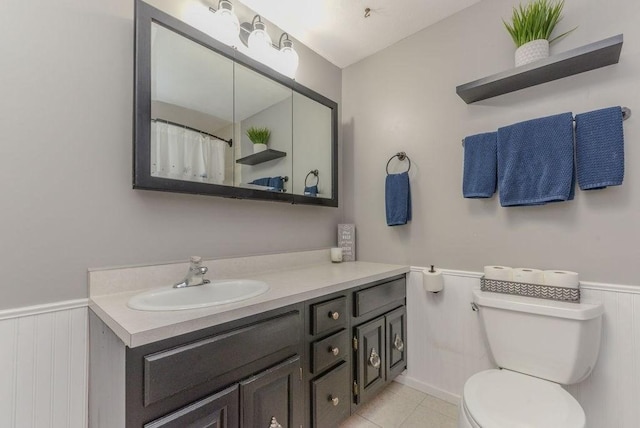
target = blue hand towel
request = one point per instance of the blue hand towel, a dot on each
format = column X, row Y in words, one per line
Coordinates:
column 311, row 190
column 600, row 148
column 397, row 194
column 480, row 165
column 535, row 161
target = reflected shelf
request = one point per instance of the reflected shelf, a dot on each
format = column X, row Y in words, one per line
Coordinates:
column 261, row 157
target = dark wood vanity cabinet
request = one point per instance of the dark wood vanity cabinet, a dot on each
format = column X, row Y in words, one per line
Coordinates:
column 379, row 341
column 356, row 342
column 306, row 365
column 248, row 371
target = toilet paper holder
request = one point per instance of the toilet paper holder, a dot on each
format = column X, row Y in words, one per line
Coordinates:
column 432, row 281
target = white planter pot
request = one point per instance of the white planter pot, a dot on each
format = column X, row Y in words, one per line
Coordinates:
column 257, row 148
column 532, row 51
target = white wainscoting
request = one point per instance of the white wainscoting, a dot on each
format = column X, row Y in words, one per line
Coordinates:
column 447, row 346
column 43, row 366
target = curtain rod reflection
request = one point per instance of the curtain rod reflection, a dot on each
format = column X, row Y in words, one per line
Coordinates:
column 229, row 141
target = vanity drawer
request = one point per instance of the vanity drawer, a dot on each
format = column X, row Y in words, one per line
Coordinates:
column 370, row 299
column 169, row 372
column 329, row 351
column 331, row 395
column 329, row 315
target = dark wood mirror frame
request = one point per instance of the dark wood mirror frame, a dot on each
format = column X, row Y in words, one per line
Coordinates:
column 142, row 178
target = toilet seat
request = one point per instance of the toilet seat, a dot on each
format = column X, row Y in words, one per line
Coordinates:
column 507, row 399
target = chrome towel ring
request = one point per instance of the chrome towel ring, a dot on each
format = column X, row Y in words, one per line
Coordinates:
column 316, row 174
column 402, row 156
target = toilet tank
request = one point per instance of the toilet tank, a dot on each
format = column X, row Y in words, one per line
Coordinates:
column 557, row 341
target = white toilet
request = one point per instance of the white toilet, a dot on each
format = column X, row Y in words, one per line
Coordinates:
column 538, row 345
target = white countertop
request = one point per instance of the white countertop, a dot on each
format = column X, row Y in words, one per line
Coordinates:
column 287, row 286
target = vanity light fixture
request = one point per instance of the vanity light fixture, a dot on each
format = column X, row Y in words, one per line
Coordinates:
column 281, row 57
column 289, row 58
column 226, row 23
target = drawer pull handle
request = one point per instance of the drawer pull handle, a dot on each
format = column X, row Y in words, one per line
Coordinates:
column 334, row 400
column 334, row 350
column 334, row 315
column 374, row 359
column 274, row 423
column 398, row 343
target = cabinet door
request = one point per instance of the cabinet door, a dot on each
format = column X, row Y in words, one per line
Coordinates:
column 370, row 359
column 273, row 393
column 396, row 342
column 216, row 411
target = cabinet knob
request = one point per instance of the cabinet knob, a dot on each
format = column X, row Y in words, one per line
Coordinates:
column 374, row 359
column 334, row 400
column 334, row 315
column 274, row 423
column 398, row 343
column 334, row 350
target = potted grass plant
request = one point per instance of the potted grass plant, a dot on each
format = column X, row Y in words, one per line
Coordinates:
column 259, row 137
column 531, row 27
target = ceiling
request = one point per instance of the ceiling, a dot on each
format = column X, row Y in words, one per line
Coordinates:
column 338, row 30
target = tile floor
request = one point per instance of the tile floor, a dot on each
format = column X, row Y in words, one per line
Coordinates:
column 401, row 406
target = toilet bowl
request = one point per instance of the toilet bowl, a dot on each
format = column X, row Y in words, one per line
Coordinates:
column 505, row 399
column 539, row 345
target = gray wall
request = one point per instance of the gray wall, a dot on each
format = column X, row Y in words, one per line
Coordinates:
column 66, row 120
column 403, row 98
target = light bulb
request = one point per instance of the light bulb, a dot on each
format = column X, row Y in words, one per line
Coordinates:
column 259, row 42
column 227, row 24
column 289, row 59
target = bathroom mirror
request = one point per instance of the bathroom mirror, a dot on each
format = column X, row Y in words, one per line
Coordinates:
column 198, row 105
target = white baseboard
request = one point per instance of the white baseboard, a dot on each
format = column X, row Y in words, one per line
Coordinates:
column 428, row 389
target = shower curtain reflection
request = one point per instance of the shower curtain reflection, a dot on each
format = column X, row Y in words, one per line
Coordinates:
column 182, row 154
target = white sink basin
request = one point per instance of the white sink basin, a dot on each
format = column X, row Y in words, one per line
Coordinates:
column 200, row 296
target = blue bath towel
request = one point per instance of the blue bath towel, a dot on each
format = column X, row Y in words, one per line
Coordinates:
column 535, row 161
column 480, row 165
column 311, row 190
column 397, row 194
column 600, row 148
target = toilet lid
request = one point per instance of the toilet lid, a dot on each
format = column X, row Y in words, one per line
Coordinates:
column 506, row 399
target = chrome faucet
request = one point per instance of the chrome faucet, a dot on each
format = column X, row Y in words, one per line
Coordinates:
column 195, row 274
